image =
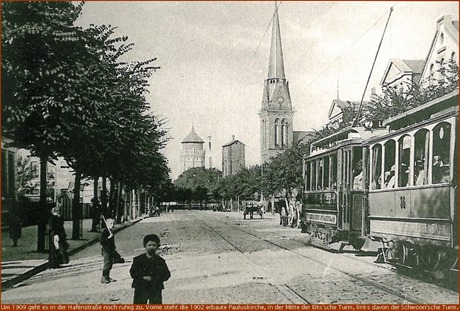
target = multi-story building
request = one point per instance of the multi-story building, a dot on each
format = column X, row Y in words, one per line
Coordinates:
column 233, row 157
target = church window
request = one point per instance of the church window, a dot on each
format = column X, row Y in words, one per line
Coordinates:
column 282, row 134
column 286, row 133
column 277, row 132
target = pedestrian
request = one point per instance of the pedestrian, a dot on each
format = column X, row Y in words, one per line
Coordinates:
column 58, row 240
column 149, row 271
column 108, row 250
column 96, row 215
column 15, row 228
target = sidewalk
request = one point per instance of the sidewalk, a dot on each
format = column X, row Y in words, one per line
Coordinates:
column 22, row 262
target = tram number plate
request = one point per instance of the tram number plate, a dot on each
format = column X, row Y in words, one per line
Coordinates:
column 324, row 218
column 415, row 229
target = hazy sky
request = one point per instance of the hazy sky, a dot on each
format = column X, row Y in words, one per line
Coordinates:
column 214, row 58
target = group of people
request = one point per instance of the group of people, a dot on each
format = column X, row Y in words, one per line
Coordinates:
column 149, row 271
column 440, row 173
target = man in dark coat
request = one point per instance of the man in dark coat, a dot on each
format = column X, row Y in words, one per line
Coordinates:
column 149, row 271
column 58, row 240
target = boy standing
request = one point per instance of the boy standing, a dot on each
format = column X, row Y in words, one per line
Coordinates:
column 149, row 271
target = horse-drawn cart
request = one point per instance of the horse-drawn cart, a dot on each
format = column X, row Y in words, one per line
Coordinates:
column 252, row 207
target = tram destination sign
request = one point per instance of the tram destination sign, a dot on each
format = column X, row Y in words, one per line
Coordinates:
column 323, row 218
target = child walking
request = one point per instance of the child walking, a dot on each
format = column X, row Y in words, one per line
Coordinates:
column 149, row 271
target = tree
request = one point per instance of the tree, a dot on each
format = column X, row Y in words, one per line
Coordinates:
column 38, row 44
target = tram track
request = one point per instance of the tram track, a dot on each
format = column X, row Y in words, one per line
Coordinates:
column 284, row 289
column 389, row 290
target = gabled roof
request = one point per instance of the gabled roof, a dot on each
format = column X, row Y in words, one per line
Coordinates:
column 398, row 67
column 341, row 104
column 192, row 137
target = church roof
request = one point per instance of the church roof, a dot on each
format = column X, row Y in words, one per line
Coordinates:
column 192, row 137
column 276, row 63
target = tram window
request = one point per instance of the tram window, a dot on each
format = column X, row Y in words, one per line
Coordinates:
column 404, row 160
column 357, row 168
column 389, row 165
column 307, row 176
column 313, row 175
column 320, row 185
column 441, row 153
column 422, row 138
column 376, row 169
column 326, row 173
column 333, row 168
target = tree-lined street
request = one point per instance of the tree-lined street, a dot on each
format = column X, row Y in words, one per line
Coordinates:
column 220, row 258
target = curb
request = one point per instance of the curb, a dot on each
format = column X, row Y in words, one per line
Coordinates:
column 44, row 266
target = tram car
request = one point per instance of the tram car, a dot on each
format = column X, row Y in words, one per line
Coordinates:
column 332, row 209
column 412, row 181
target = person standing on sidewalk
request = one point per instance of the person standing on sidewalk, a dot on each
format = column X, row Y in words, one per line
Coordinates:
column 149, row 271
column 58, row 240
column 15, row 228
column 108, row 250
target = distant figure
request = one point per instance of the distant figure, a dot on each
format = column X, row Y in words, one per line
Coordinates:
column 15, row 228
column 108, row 251
column 58, row 240
column 149, row 271
column 96, row 215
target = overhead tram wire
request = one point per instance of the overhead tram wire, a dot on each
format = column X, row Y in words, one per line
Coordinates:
column 372, row 68
column 348, row 48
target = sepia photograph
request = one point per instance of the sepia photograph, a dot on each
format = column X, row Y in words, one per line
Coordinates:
column 239, row 154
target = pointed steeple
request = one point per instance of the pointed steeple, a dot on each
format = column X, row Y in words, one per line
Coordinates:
column 276, row 63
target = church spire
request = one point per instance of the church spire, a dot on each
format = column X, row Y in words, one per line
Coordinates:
column 276, row 64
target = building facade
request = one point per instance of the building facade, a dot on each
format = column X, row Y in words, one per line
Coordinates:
column 276, row 113
column 233, row 157
column 193, row 153
column 444, row 48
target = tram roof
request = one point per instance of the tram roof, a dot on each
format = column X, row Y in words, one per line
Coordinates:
column 423, row 112
column 350, row 135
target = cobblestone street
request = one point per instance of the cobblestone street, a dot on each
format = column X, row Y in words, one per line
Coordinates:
column 217, row 257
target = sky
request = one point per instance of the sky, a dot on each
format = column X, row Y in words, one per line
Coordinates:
column 214, row 58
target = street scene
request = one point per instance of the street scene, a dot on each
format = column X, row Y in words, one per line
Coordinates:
column 220, row 258
column 242, row 152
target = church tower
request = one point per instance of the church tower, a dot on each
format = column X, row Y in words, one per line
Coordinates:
column 276, row 114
